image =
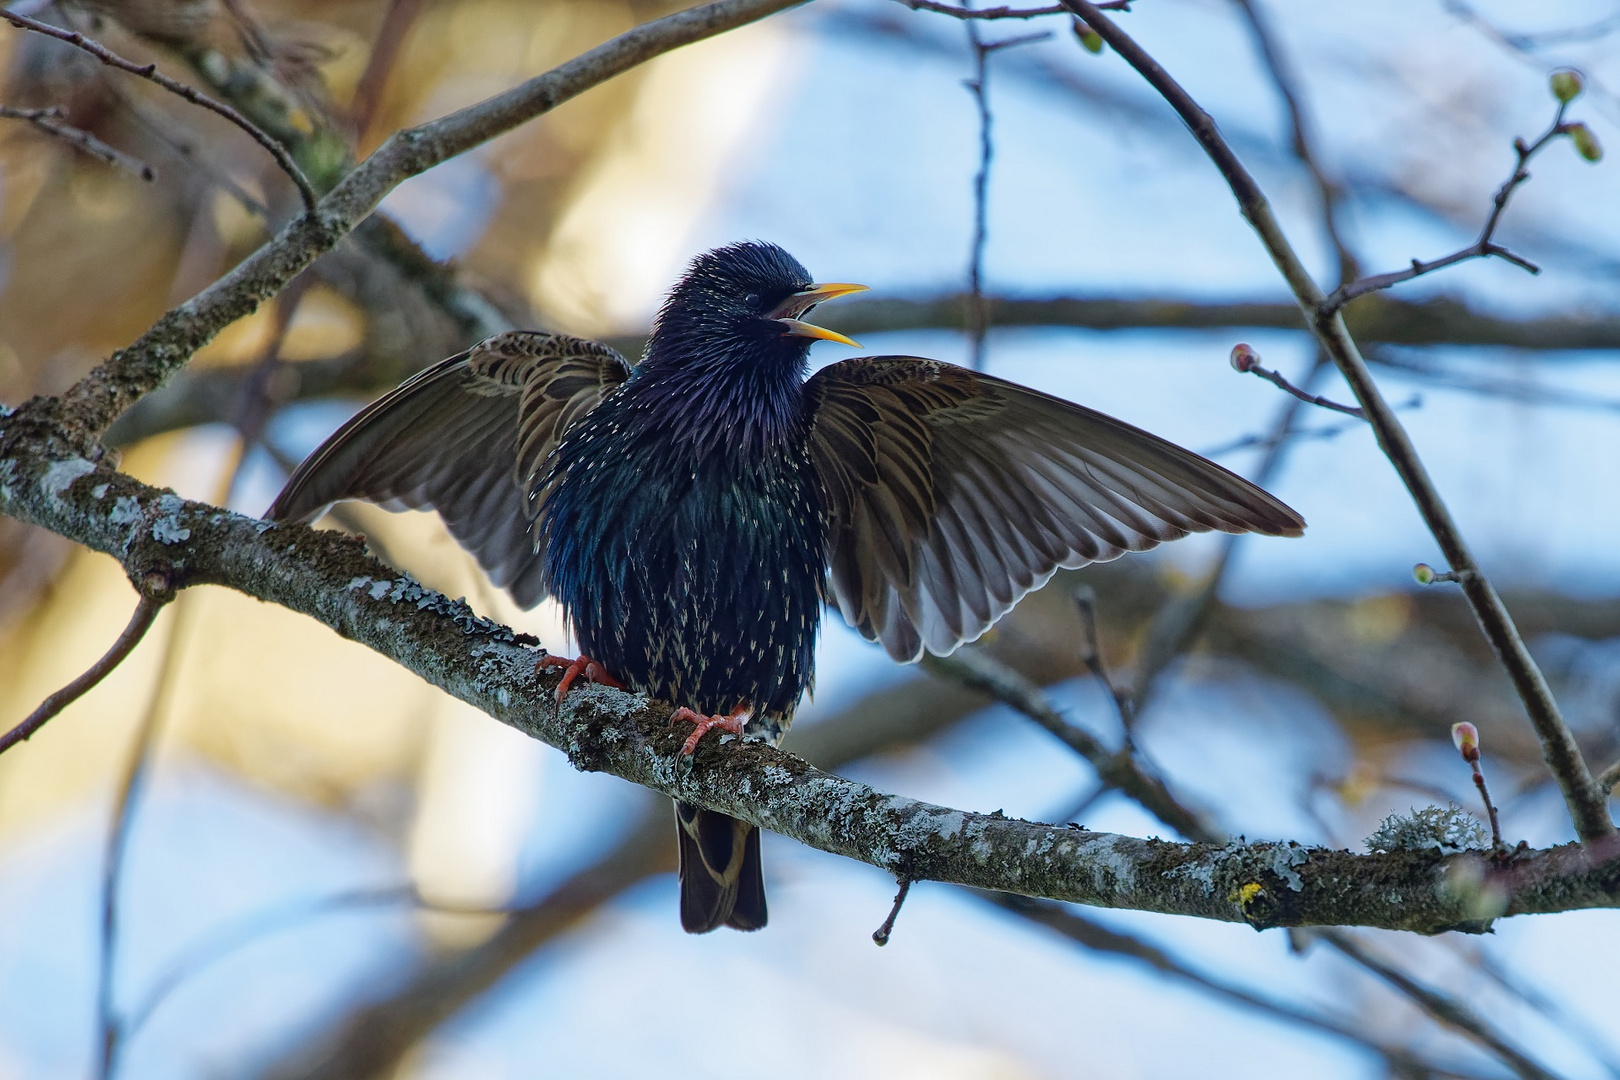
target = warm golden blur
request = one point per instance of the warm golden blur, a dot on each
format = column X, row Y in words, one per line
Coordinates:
column 588, row 211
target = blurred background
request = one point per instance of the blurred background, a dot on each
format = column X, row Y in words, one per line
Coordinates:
column 327, row 868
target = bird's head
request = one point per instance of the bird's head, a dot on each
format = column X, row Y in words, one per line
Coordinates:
column 739, row 303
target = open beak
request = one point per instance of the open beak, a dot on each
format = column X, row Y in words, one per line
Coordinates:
column 788, row 311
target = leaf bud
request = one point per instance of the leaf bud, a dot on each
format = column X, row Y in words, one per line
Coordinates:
column 1586, row 143
column 1566, row 84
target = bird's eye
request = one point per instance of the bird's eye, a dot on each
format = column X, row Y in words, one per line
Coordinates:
column 753, row 301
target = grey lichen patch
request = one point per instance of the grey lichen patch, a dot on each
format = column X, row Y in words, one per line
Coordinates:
column 1447, row 829
column 126, row 511
column 99, row 492
column 167, row 529
column 59, row 475
column 1284, row 857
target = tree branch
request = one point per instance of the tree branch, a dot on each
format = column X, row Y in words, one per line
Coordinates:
column 154, row 595
column 91, row 405
column 332, row 579
column 173, row 86
column 1585, row 799
column 50, row 122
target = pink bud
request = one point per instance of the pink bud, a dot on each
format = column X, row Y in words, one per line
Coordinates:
column 1244, row 358
column 1466, row 738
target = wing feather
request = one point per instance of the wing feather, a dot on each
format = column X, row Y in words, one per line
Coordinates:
column 951, row 494
column 468, row 437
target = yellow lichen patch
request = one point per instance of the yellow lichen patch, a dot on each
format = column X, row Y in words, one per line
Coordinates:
column 1245, row 894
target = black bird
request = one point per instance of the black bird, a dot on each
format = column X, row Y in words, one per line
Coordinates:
column 693, row 513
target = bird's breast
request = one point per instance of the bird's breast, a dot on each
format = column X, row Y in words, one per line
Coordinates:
column 691, row 569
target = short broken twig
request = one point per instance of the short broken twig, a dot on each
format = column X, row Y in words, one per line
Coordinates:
column 881, row 934
column 174, row 86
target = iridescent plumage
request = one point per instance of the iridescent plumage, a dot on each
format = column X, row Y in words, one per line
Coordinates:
column 693, row 514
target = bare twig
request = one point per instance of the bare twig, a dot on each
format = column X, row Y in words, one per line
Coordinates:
column 969, row 13
column 978, row 670
column 50, row 122
column 1443, row 1008
column 131, row 784
column 1284, row 78
column 174, row 86
column 1466, row 738
column 881, row 935
column 1247, row 361
column 1609, row 777
column 1586, row 801
column 1098, row 938
column 93, row 403
column 1484, row 247
column 1085, row 601
column 368, row 92
column 979, row 87
column 152, row 601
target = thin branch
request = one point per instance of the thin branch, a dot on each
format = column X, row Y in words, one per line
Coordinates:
column 1609, row 777
column 1283, row 77
column 1247, row 361
column 50, row 122
column 174, row 86
column 92, row 404
column 1085, row 601
column 1098, row 938
column 131, row 784
column 1586, row 801
column 1484, row 247
column 1443, row 1008
column 368, row 92
column 970, row 14
column 146, row 612
column 978, row 670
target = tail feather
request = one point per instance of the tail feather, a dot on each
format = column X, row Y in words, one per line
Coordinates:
column 721, row 881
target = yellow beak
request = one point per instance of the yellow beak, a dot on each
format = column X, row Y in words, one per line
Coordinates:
column 787, row 313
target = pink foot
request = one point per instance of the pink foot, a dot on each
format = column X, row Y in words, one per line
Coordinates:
column 585, row 666
column 734, row 722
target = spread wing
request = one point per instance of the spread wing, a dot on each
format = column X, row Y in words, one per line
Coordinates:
column 951, row 494
column 465, row 437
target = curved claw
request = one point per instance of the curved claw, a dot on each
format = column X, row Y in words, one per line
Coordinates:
column 584, row 665
column 734, row 722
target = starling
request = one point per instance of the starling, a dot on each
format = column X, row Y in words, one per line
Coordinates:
column 692, row 514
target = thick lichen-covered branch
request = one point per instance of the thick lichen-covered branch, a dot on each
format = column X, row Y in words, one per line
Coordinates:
column 333, row 580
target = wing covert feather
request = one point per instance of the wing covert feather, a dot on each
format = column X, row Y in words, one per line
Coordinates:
column 468, row 437
column 951, row 494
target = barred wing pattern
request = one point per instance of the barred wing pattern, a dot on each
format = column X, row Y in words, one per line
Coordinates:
column 951, row 494
column 466, row 437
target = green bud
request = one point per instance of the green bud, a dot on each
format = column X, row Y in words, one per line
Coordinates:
column 1090, row 40
column 1424, row 573
column 1566, row 84
column 1586, row 143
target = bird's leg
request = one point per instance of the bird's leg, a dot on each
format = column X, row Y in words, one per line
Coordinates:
column 585, row 666
column 734, row 722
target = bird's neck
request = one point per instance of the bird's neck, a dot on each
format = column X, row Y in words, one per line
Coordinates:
column 748, row 401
